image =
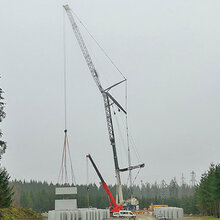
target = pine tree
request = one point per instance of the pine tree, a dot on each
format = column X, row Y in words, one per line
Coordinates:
column 208, row 192
column 2, row 116
column 5, row 190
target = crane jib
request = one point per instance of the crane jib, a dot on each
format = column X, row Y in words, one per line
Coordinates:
column 132, row 167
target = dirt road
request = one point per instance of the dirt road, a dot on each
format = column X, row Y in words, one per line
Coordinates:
column 139, row 217
column 145, row 217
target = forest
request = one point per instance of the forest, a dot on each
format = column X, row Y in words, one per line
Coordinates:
column 41, row 195
column 202, row 198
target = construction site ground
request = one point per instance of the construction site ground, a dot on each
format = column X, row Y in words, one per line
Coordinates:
column 144, row 217
column 139, row 217
column 150, row 217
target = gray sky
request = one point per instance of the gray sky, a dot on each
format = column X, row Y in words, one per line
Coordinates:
column 169, row 51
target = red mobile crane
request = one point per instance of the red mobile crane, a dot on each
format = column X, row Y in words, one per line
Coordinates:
column 114, row 207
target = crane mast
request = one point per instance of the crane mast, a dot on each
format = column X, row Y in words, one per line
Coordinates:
column 107, row 98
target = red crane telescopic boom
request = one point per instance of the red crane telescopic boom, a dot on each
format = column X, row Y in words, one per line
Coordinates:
column 113, row 204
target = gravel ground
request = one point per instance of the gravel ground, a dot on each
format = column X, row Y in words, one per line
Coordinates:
column 149, row 217
column 139, row 217
column 145, row 217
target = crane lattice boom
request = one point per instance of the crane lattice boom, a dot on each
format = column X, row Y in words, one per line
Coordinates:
column 106, row 97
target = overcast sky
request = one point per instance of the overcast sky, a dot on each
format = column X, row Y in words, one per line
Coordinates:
column 168, row 50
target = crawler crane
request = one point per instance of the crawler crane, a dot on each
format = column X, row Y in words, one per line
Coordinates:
column 108, row 99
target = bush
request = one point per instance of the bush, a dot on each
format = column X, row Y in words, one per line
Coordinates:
column 18, row 213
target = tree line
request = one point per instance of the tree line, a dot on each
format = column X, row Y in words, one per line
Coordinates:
column 203, row 198
column 41, row 195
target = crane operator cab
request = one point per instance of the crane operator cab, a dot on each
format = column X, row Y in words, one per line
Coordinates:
column 124, row 214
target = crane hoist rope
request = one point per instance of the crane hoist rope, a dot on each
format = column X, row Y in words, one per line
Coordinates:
column 87, row 182
column 63, row 174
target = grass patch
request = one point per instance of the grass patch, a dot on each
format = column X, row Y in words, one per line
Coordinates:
column 210, row 218
column 14, row 213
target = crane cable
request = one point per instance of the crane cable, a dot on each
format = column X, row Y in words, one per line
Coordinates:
column 87, row 181
column 127, row 134
column 63, row 175
column 119, row 130
column 71, row 165
column 97, row 43
column 128, row 142
column 131, row 139
column 62, row 170
column 136, row 176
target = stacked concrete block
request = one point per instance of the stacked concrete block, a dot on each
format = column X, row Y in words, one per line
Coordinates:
column 168, row 212
column 79, row 214
column 66, row 209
